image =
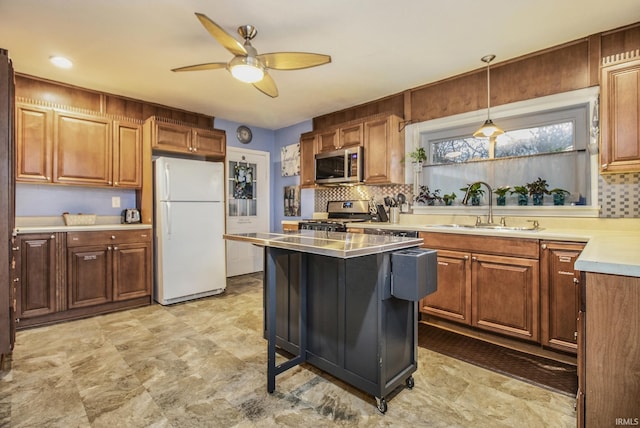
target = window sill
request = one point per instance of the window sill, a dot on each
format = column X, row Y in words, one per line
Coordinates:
column 513, row 211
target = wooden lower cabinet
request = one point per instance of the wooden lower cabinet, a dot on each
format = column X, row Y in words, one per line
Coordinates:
column 71, row 275
column 505, row 295
column 486, row 282
column 560, row 295
column 37, row 267
column 452, row 299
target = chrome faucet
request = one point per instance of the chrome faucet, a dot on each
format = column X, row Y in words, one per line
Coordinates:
column 466, row 199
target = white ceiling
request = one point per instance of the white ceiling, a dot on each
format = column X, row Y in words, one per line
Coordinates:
column 378, row 47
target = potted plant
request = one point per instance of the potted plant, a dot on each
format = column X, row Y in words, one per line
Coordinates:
column 418, row 157
column 559, row 195
column 426, row 196
column 449, row 198
column 474, row 191
column 501, row 199
column 523, row 194
column 537, row 190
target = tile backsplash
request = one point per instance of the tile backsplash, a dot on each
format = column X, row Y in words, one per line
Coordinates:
column 341, row 193
column 619, row 195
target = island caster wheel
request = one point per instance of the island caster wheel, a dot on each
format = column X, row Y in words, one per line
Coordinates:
column 410, row 382
column 382, row 405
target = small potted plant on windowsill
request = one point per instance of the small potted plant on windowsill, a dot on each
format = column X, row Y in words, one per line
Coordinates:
column 449, row 198
column 427, row 197
column 537, row 190
column 501, row 193
column 523, row 194
column 474, row 192
column 418, row 158
column 559, row 195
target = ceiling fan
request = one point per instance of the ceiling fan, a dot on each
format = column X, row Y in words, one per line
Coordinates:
column 249, row 66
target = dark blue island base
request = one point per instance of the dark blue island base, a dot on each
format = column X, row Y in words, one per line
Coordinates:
column 342, row 316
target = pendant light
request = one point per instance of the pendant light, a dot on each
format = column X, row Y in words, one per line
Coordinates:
column 488, row 129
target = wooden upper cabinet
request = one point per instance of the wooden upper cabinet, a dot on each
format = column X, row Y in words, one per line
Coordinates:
column 180, row 138
column 127, row 154
column 209, row 142
column 307, row 160
column 383, row 151
column 328, row 141
column 34, row 126
column 78, row 148
column 620, row 118
column 351, row 136
column 82, row 149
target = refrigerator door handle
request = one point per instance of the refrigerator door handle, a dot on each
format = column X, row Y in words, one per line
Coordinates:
column 167, row 212
column 167, row 182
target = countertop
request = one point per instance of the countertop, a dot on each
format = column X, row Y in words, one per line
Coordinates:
column 612, row 247
column 56, row 224
column 333, row 244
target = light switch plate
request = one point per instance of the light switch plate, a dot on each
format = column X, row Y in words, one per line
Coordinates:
column 115, row 202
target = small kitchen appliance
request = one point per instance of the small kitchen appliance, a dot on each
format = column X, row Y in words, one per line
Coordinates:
column 131, row 215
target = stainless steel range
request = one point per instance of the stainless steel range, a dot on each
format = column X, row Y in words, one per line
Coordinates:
column 339, row 214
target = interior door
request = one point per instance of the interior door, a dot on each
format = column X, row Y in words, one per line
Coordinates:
column 247, row 207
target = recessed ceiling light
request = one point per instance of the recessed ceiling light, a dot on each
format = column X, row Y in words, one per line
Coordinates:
column 60, row 61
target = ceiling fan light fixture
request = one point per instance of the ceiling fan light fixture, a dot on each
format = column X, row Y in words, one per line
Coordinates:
column 488, row 128
column 246, row 69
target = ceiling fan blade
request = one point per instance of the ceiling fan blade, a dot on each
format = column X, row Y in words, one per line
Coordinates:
column 267, row 86
column 293, row 60
column 224, row 38
column 198, row 67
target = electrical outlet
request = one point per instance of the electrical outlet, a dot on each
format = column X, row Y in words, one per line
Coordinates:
column 115, row 202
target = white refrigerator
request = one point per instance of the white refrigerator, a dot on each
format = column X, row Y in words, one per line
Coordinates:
column 189, row 224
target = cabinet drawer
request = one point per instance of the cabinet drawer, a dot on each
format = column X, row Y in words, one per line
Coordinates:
column 515, row 247
column 75, row 239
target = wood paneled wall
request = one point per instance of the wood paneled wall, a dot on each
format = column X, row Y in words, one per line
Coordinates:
column 66, row 95
column 570, row 66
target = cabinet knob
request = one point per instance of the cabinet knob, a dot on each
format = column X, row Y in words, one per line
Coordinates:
column 15, row 248
column 113, row 236
column 543, row 246
column 115, row 248
column 116, row 183
column 605, row 166
column 16, row 279
column 109, row 248
column 48, row 178
column 53, row 236
column 474, row 258
column 575, row 335
column 576, row 281
column 466, row 257
column 195, row 149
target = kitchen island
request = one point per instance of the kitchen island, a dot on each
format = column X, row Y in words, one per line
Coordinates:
column 345, row 303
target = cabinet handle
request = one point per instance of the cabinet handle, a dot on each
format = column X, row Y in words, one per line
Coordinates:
column 605, row 166
column 15, row 248
column 575, row 335
column 543, row 246
column 16, row 279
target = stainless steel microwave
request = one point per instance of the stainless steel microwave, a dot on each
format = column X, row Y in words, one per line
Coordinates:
column 339, row 166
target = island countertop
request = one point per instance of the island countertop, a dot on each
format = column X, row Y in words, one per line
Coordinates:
column 333, row 244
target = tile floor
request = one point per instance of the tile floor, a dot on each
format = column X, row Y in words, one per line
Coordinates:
column 203, row 364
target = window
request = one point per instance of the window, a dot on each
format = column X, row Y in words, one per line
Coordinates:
column 546, row 137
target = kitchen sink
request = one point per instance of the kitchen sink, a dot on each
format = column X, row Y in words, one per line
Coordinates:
column 492, row 226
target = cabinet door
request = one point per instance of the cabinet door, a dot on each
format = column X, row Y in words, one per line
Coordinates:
column 33, row 144
column 307, row 160
column 89, row 275
column 383, row 151
column 82, row 149
column 559, row 295
column 131, row 271
column 505, row 294
column 452, row 299
column 351, row 136
column 620, row 127
column 328, row 141
column 209, row 143
column 37, row 280
column 127, row 155
column 171, row 137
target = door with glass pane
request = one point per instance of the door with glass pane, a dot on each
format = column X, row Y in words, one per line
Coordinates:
column 247, row 206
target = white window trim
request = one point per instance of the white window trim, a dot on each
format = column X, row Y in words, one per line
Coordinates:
column 413, row 140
